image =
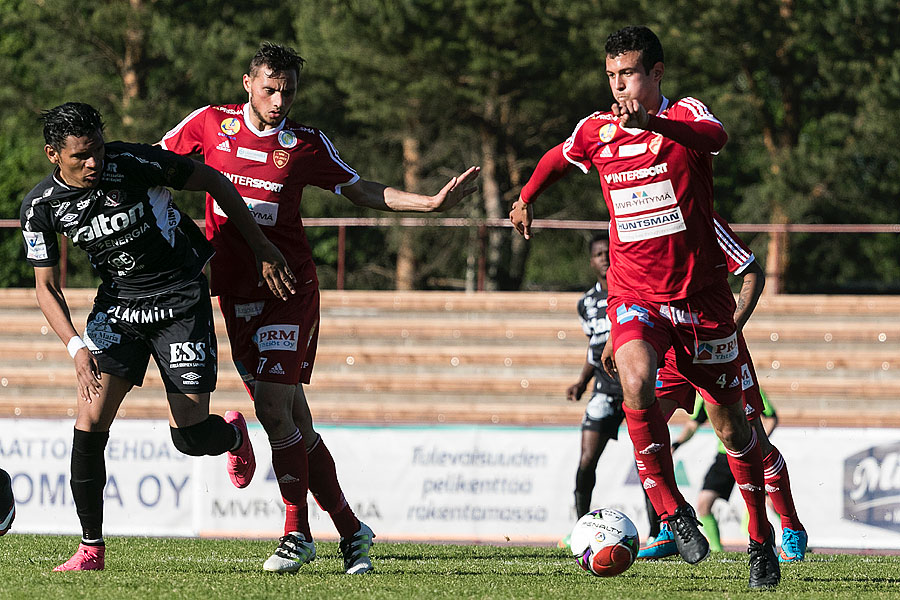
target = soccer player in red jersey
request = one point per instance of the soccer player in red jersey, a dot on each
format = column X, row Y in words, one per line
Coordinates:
column 270, row 159
column 673, row 390
column 654, row 158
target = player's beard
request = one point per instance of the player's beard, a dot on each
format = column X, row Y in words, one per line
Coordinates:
column 263, row 118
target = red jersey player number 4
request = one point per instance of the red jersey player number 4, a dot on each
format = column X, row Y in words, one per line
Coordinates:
column 659, row 198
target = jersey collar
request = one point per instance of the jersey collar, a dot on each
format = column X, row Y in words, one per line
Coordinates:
column 251, row 127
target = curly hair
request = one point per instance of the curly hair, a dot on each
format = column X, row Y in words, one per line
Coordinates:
column 636, row 38
column 277, row 57
column 72, row 118
column 599, row 236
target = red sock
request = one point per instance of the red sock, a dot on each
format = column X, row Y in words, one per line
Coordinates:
column 778, row 486
column 292, row 472
column 323, row 483
column 653, row 454
column 746, row 466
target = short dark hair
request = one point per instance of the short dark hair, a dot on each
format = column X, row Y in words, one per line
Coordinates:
column 72, row 118
column 637, row 38
column 277, row 57
column 600, row 236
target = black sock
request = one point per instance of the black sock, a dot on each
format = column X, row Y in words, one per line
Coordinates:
column 88, row 480
column 652, row 517
column 584, row 488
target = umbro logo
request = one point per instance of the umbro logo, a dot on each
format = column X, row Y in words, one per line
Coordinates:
column 190, row 376
column 276, row 370
column 224, row 146
column 287, row 478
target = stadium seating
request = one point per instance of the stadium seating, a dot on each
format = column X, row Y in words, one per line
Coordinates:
column 502, row 357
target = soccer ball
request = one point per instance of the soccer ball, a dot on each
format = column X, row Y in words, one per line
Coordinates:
column 604, row 542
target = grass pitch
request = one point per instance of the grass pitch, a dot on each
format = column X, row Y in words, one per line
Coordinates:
column 214, row 569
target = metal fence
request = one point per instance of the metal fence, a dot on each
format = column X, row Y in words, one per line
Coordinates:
column 777, row 231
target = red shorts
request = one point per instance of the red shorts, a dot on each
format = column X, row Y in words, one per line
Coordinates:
column 699, row 331
column 273, row 340
column 672, row 385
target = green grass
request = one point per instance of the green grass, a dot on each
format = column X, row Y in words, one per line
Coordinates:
column 230, row 569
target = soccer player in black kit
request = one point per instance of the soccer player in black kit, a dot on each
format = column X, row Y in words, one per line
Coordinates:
column 111, row 200
column 603, row 413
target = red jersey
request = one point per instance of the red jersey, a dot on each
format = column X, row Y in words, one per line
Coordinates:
column 660, row 198
column 738, row 255
column 270, row 169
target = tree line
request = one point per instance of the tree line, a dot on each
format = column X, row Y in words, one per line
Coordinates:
column 412, row 91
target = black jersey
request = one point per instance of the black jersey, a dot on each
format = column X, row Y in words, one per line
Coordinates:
column 596, row 325
column 135, row 236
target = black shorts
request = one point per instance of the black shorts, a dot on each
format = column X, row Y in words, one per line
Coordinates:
column 175, row 327
column 719, row 478
column 604, row 414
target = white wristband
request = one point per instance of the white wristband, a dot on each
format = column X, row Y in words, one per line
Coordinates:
column 75, row 344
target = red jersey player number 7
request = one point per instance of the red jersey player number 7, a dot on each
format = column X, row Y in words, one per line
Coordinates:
column 271, row 159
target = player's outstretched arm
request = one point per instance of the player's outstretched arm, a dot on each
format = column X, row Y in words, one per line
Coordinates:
column 550, row 169
column 371, row 194
column 270, row 262
column 56, row 310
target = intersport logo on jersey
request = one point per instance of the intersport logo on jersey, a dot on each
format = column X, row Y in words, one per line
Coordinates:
column 872, row 487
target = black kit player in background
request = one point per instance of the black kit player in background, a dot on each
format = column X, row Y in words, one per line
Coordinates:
column 603, row 414
column 7, row 503
column 112, row 201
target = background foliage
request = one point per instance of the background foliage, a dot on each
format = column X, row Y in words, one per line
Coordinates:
column 414, row 91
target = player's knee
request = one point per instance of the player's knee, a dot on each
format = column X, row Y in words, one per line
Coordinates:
column 197, row 440
column 639, row 391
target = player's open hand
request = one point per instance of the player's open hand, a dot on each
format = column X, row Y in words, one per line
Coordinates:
column 631, row 113
column 456, row 189
column 521, row 215
column 274, row 271
column 87, row 372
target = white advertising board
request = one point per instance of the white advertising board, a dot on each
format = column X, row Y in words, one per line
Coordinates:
column 466, row 483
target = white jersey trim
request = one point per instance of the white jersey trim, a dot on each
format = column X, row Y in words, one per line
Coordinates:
column 570, row 141
column 265, row 133
column 172, row 132
column 333, row 153
column 743, row 258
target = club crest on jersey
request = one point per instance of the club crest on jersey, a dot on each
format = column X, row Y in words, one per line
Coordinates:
column 655, row 143
column 230, row 126
column 280, row 158
column 113, row 199
column 607, row 132
column 287, row 139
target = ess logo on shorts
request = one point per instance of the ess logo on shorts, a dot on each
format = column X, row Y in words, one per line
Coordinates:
column 277, row 337
column 717, row 351
column 187, row 354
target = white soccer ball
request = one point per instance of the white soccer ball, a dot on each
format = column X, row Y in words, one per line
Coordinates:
column 604, row 542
